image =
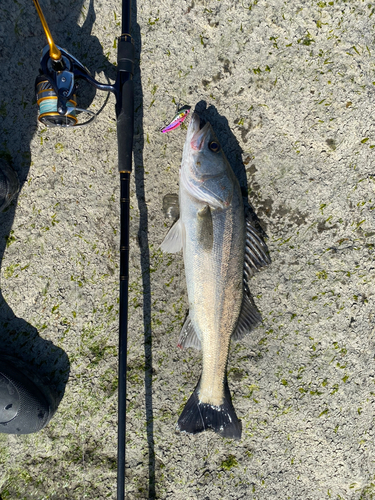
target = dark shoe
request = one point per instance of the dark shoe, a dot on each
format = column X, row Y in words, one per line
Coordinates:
column 9, row 184
column 26, row 404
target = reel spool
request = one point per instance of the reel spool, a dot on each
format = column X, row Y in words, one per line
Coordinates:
column 47, row 101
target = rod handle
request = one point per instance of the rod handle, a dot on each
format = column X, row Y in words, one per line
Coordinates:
column 125, row 126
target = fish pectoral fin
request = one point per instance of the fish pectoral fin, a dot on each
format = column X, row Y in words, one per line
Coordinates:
column 248, row 319
column 174, row 240
column 256, row 252
column 205, row 228
column 188, row 336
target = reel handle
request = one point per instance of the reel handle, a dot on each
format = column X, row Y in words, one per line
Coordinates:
column 53, row 50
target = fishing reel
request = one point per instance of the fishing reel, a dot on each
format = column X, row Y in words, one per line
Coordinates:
column 56, row 85
column 56, row 88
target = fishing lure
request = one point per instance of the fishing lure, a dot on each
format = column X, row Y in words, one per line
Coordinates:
column 178, row 119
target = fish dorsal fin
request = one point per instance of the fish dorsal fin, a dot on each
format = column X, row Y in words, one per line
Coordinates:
column 256, row 252
column 174, row 240
column 249, row 317
column 188, row 336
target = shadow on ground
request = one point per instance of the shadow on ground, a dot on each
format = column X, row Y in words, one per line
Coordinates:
column 233, row 152
column 145, row 253
column 18, row 338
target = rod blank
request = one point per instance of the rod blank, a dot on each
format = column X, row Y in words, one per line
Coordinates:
column 125, row 132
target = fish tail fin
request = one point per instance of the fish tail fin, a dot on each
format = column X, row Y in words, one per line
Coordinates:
column 197, row 416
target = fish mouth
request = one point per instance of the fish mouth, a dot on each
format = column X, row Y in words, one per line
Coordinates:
column 197, row 132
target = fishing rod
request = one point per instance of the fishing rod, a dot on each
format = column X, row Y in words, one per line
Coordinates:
column 56, row 88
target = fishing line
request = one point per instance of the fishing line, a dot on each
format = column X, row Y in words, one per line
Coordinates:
column 47, row 100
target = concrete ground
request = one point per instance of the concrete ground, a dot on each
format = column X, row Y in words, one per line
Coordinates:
column 289, row 90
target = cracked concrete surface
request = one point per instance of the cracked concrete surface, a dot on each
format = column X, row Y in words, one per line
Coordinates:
column 289, row 90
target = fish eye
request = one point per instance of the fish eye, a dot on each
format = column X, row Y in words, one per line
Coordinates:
column 214, row 146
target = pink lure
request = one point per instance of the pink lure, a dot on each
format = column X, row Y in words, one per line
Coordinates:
column 178, row 119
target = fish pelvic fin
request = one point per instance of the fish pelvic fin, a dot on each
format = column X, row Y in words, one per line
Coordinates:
column 198, row 417
column 174, row 240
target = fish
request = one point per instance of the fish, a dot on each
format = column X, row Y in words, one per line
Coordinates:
column 221, row 252
column 178, row 119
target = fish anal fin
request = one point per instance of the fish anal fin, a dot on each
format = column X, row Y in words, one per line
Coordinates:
column 248, row 319
column 188, row 336
column 174, row 240
column 256, row 251
column 197, row 416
